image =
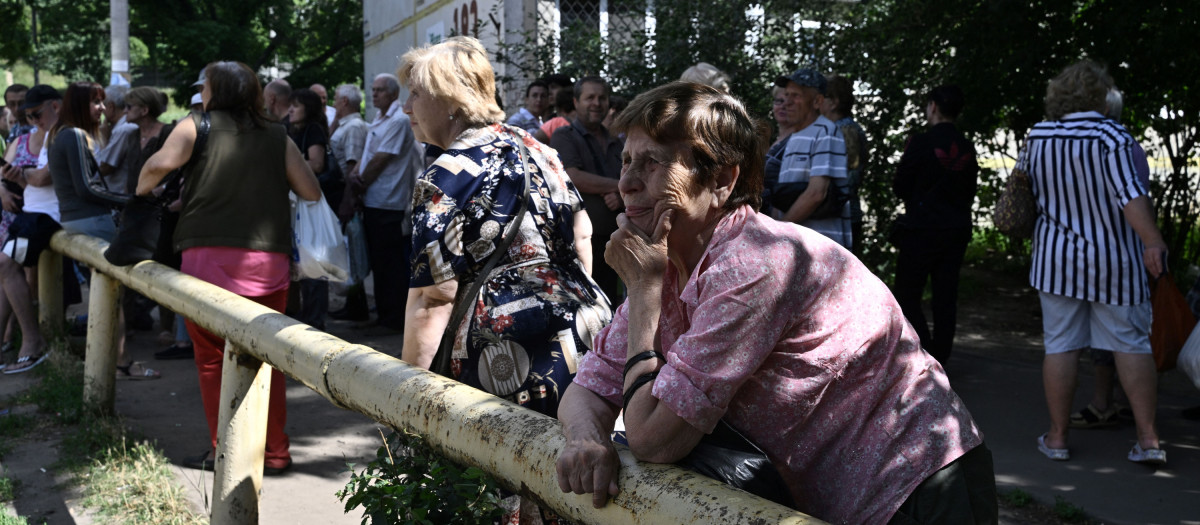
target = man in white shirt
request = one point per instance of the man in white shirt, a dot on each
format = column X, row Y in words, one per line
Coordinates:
column 384, row 179
column 349, row 137
column 330, row 113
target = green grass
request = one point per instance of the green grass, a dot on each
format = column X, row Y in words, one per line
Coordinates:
column 9, row 519
column 125, row 479
column 8, row 489
column 1016, row 498
column 1068, row 511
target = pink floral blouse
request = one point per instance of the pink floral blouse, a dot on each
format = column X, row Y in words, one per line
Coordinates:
column 797, row 345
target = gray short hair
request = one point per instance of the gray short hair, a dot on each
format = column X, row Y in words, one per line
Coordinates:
column 351, row 93
column 116, row 94
column 1114, row 103
column 391, row 83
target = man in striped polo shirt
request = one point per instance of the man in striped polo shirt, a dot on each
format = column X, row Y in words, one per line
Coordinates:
column 814, row 162
column 1093, row 244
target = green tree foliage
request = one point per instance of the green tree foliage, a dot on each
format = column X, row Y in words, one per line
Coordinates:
column 72, row 38
column 1002, row 53
column 317, row 40
column 310, row 40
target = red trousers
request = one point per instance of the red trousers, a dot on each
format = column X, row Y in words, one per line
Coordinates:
column 210, row 351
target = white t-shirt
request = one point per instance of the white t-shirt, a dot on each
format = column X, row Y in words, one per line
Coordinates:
column 42, row 199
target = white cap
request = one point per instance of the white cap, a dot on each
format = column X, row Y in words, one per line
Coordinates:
column 197, row 99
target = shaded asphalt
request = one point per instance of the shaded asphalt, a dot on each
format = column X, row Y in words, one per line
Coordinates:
column 997, row 373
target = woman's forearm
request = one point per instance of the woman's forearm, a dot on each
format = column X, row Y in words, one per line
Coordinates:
column 583, row 239
column 426, row 316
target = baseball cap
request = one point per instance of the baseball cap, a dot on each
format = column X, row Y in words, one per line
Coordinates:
column 807, row 77
column 39, row 94
column 199, row 82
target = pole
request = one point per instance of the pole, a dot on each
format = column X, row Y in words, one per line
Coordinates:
column 241, row 438
column 100, row 362
column 119, row 13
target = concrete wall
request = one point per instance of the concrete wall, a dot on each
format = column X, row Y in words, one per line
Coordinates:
column 392, row 27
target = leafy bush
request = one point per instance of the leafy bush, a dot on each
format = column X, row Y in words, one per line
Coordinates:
column 410, row 483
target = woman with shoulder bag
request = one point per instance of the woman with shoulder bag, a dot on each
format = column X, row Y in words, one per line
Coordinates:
column 73, row 169
column 235, row 226
column 310, row 132
column 506, row 248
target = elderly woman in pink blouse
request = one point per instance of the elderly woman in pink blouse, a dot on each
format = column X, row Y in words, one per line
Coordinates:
column 768, row 326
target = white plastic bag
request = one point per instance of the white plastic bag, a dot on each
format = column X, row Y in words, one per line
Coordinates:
column 1189, row 357
column 319, row 250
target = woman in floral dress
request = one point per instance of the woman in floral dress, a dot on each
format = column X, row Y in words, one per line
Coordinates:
column 539, row 309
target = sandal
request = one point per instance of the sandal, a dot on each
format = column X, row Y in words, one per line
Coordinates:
column 136, row 370
column 1148, row 456
column 26, row 363
column 1089, row 417
column 1057, row 454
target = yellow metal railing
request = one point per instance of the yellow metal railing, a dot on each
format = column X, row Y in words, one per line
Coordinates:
column 517, row 446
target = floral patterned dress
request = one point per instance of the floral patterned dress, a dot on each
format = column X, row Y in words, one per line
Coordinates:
column 539, row 310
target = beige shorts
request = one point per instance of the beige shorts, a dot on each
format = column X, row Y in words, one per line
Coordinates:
column 1074, row 324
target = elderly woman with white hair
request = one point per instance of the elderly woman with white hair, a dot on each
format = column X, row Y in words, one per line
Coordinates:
column 523, row 332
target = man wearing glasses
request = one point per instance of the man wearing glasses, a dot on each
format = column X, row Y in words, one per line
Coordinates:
column 14, row 96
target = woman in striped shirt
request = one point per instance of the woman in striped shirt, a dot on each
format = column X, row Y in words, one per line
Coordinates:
column 1095, row 233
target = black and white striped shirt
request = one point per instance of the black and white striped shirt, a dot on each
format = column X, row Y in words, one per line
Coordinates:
column 1083, row 176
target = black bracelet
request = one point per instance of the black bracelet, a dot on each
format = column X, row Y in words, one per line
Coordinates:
column 639, row 358
column 637, row 383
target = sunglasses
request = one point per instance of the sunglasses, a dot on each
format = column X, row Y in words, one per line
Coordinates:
column 34, row 115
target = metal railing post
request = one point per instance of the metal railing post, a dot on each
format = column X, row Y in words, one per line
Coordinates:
column 241, row 438
column 100, row 359
column 50, row 292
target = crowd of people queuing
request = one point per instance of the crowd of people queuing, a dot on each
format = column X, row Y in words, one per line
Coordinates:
column 667, row 259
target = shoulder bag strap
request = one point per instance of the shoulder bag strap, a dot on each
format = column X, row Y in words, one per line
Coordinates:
column 463, row 302
column 174, row 181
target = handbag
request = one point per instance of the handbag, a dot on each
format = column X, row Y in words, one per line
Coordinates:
column 727, row 456
column 1016, row 210
column 332, row 182
column 319, row 247
column 785, row 195
column 28, row 235
column 1172, row 323
column 464, row 299
column 140, row 226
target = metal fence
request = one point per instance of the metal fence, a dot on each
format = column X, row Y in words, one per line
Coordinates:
column 517, row 446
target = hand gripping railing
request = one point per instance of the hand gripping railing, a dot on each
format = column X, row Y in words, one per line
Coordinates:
column 516, row 446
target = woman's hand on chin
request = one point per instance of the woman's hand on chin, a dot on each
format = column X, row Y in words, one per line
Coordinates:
column 637, row 257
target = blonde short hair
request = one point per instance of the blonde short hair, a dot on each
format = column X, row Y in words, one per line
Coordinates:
column 1082, row 86
column 456, row 71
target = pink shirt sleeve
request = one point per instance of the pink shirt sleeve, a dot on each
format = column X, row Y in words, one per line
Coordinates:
column 735, row 323
column 600, row 370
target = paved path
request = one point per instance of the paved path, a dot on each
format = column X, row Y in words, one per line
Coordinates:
column 996, row 373
column 1006, row 399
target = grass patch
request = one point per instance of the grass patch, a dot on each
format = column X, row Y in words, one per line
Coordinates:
column 8, row 489
column 1068, row 511
column 125, row 479
column 134, row 484
column 9, row 519
column 1016, row 498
